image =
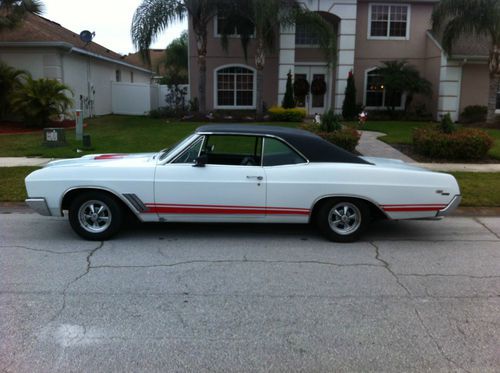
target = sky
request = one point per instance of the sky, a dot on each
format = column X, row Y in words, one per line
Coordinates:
column 109, row 19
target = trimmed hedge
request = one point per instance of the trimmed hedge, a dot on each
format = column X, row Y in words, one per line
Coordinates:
column 279, row 114
column 474, row 114
column 463, row 144
column 346, row 138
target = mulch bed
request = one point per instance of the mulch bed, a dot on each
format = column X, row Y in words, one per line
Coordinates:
column 17, row 128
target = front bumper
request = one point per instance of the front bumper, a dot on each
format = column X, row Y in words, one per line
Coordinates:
column 39, row 205
column 455, row 202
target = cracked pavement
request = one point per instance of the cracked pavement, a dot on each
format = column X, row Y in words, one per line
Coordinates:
column 411, row 296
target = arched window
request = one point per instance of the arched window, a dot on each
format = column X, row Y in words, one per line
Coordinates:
column 376, row 95
column 235, row 88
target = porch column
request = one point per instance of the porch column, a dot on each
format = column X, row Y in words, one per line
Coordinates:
column 347, row 11
column 450, row 83
column 286, row 59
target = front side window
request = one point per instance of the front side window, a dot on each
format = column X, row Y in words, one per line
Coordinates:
column 376, row 95
column 389, row 21
column 233, row 150
column 235, row 87
column 277, row 153
column 191, row 153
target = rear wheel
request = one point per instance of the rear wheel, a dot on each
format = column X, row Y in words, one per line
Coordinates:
column 343, row 220
column 95, row 216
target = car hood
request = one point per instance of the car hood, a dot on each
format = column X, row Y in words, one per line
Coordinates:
column 393, row 163
column 106, row 160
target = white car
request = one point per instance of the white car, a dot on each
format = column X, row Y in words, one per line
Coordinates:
column 240, row 173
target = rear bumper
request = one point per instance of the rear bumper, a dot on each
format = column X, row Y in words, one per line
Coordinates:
column 455, row 202
column 39, row 205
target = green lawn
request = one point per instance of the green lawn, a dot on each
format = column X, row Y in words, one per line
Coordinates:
column 401, row 133
column 478, row 190
column 109, row 134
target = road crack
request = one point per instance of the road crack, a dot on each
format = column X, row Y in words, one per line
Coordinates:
column 447, row 275
column 242, row 261
column 386, row 265
column 42, row 250
column 487, row 228
column 68, row 285
column 436, row 343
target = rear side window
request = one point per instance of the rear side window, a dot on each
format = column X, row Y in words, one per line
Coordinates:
column 277, row 153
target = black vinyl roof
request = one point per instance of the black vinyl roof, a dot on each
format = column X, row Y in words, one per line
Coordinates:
column 313, row 147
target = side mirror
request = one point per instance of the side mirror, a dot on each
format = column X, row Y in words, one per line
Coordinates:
column 200, row 161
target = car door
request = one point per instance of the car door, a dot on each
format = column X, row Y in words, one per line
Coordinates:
column 289, row 190
column 229, row 186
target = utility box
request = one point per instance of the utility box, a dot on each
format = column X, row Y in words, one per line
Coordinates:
column 53, row 137
column 79, row 125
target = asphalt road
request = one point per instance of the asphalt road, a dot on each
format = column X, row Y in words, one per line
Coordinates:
column 412, row 296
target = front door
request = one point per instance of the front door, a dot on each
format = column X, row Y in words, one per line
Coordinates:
column 315, row 101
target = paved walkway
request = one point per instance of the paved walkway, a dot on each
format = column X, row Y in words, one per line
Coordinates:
column 369, row 145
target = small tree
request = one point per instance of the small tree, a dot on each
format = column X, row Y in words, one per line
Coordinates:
column 349, row 107
column 288, row 101
column 39, row 100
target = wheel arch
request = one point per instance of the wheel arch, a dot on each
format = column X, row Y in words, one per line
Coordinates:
column 70, row 194
column 375, row 210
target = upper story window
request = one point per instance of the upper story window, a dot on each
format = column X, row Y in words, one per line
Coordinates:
column 389, row 21
column 305, row 35
column 231, row 26
column 131, row 77
column 235, row 87
column 118, row 75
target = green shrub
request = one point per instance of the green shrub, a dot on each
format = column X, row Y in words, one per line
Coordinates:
column 278, row 114
column 463, row 144
column 474, row 114
column 447, row 125
column 346, row 138
column 330, row 122
column 350, row 109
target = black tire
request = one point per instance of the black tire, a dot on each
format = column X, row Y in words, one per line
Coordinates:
column 347, row 224
column 91, row 224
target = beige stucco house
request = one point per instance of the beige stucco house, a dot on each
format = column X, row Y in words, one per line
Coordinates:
column 369, row 32
column 101, row 80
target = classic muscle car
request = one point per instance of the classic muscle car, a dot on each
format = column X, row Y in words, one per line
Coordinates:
column 240, row 173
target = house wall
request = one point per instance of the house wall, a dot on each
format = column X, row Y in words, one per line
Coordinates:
column 475, row 85
column 217, row 57
column 432, row 66
column 371, row 53
column 75, row 70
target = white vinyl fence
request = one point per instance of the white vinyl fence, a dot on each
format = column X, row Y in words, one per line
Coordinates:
column 139, row 99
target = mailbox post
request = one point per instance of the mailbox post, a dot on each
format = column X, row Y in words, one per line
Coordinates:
column 79, row 124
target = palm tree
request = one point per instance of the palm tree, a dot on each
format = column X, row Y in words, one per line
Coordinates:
column 479, row 18
column 12, row 12
column 40, row 99
column 399, row 78
column 10, row 82
column 262, row 19
column 153, row 16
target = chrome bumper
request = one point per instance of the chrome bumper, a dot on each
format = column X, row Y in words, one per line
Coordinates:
column 455, row 202
column 39, row 205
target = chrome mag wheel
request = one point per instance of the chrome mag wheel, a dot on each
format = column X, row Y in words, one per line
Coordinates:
column 344, row 218
column 94, row 216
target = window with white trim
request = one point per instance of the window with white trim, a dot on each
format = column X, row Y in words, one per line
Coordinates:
column 305, row 35
column 389, row 21
column 376, row 95
column 235, row 87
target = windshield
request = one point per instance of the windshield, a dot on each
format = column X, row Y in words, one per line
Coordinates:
column 165, row 153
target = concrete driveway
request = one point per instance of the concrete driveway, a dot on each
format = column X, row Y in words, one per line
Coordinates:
column 413, row 296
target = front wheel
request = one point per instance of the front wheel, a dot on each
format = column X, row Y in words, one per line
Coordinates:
column 95, row 216
column 343, row 220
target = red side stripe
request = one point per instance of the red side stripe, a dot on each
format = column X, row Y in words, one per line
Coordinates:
column 222, row 210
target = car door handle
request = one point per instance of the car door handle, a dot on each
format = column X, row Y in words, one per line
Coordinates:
column 255, row 177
